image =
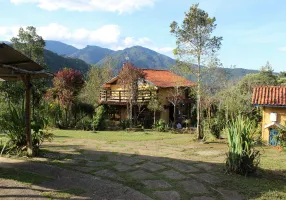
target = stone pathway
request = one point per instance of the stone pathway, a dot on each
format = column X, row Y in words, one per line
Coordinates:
column 10, row 189
column 95, row 188
column 114, row 177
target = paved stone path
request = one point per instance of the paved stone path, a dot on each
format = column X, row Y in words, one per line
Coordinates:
column 113, row 177
column 95, row 187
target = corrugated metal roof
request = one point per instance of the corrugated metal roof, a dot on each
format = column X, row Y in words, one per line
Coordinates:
column 13, row 65
column 269, row 96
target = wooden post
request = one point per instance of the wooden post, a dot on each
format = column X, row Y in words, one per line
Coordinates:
column 27, row 82
column 119, row 96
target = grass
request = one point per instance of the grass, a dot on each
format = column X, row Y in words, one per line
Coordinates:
column 23, row 176
column 70, row 144
column 111, row 136
column 3, row 139
column 268, row 185
column 257, row 187
column 65, row 194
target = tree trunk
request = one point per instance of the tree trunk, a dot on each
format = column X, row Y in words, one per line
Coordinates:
column 27, row 83
column 174, row 115
column 130, row 115
column 66, row 117
column 199, row 131
column 154, row 117
column 33, row 104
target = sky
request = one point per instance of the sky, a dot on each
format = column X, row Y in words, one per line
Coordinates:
column 253, row 31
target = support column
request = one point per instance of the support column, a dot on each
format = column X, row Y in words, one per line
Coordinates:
column 27, row 82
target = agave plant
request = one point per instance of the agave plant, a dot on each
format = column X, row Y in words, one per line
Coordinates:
column 242, row 158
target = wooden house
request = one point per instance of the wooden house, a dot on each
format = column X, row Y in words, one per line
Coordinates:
column 161, row 83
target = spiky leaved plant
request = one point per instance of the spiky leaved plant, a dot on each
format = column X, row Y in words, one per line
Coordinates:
column 242, row 158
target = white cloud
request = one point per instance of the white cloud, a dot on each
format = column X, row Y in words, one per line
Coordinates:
column 54, row 31
column 6, row 33
column 282, row 48
column 120, row 6
column 143, row 41
column 108, row 36
column 104, row 35
column 131, row 41
column 164, row 50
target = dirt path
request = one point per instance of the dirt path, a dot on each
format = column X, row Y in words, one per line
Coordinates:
column 61, row 180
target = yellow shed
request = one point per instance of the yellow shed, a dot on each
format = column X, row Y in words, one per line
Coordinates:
column 272, row 99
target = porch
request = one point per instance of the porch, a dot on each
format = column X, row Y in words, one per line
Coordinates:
column 121, row 97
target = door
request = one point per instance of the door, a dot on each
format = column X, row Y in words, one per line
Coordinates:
column 273, row 137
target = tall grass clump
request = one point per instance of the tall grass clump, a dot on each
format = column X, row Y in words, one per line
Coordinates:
column 242, row 158
column 12, row 124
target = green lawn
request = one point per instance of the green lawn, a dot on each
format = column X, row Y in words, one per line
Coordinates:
column 90, row 153
column 113, row 135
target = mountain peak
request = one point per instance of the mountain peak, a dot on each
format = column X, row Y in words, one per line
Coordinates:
column 60, row 47
column 92, row 54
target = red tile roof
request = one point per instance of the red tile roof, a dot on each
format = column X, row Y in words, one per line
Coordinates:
column 269, row 96
column 160, row 78
column 165, row 78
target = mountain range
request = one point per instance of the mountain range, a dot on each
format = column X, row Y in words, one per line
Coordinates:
column 59, row 55
column 138, row 55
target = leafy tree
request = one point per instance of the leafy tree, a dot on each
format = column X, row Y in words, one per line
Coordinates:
column 128, row 77
column 154, row 105
column 282, row 78
column 236, row 99
column 31, row 45
column 214, row 80
column 195, row 41
column 67, row 85
column 175, row 97
column 99, row 117
column 263, row 78
column 96, row 77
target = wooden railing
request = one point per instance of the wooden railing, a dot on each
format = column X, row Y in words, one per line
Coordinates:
column 122, row 96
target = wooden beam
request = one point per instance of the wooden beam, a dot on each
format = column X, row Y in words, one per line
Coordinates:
column 27, row 82
column 16, row 69
column 18, row 62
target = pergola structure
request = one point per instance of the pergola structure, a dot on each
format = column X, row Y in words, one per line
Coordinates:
column 14, row 66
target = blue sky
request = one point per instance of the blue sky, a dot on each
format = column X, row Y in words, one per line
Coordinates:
column 253, row 31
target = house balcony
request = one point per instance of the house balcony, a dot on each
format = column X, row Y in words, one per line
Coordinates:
column 121, row 97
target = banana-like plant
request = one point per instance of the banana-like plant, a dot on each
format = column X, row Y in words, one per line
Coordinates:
column 242, row 158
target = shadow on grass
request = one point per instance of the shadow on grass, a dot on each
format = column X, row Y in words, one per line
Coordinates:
column 122, row 176
column 62, row 136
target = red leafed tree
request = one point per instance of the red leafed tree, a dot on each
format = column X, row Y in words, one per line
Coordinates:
column 128, row 77
column 67, row 85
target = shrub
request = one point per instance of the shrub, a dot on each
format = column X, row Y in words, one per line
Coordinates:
column 213, row 128
column 124, row 124
column 98, row 122
column 84, row 124
column 281, row 137
column 13, row 124
column 39, row 133
column 161, row 126
column 242, row 158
